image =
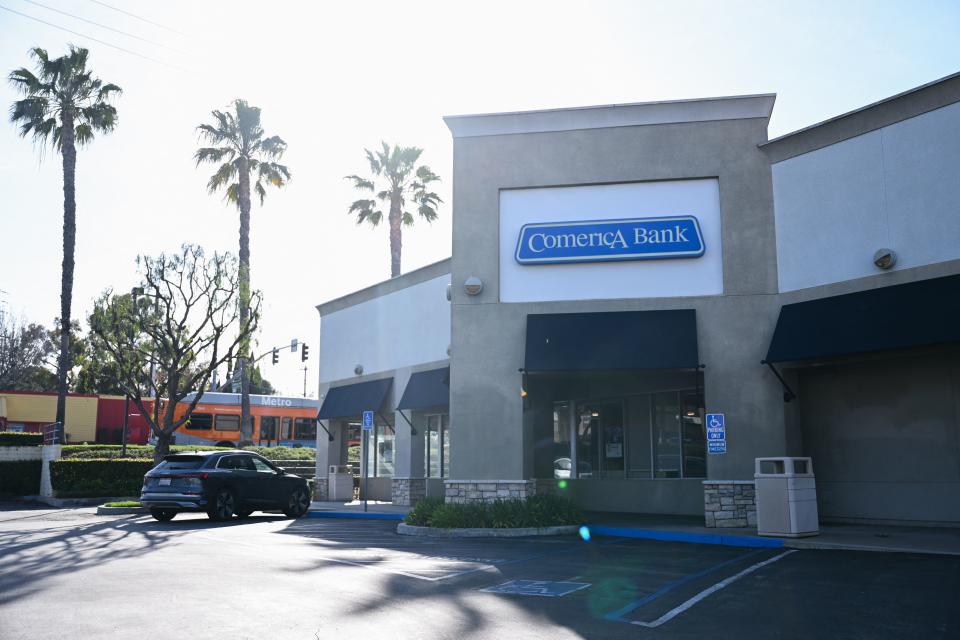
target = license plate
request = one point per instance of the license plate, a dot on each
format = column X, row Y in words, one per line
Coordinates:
column 164, row 482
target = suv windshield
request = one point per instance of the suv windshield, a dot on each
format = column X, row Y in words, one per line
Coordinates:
column 178, row 463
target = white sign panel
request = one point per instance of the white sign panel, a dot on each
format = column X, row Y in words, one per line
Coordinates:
column 528, row 282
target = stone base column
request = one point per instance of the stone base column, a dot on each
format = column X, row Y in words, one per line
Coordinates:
column 464, row 491
column 729, row 503
column 320, row 488
column 50, row 453
column 407, row 492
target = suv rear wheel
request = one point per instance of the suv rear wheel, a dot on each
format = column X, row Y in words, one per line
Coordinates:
column 223, row 505
column 163, row 515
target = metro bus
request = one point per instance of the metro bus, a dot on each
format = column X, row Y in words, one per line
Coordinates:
column 277, row 420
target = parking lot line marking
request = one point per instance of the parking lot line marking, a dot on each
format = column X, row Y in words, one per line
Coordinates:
column 670, row 615
column 636, row 604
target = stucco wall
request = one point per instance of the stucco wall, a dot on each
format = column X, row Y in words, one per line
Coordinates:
column 895, row 187
column 399, row 329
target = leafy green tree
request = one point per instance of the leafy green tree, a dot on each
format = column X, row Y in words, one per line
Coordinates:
column 24, row 350
column 240, row 147
column 189, row 330
column 63, row 105
column 258, row 384
column 396, row 182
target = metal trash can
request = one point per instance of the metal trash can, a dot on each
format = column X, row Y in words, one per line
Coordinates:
column 340, row 483
column 786, row 495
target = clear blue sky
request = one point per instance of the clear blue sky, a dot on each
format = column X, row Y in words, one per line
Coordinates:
column 334, row 78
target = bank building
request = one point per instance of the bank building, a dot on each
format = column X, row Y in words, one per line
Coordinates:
column 620, row 272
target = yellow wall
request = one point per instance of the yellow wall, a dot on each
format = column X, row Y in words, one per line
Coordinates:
column 81, row 416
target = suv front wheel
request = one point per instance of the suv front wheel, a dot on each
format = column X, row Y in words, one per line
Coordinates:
column 298, row 503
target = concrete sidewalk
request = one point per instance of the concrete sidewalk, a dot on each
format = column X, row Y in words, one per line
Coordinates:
column 932, row 540
column 375, row 510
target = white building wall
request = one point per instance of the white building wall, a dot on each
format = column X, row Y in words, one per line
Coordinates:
column 400, row 329
column 897, row 187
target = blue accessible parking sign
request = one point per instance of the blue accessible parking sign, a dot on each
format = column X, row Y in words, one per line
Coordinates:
column 368, row 420
column 716, row 433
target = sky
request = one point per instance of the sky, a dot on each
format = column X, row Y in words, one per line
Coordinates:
column 335, row 78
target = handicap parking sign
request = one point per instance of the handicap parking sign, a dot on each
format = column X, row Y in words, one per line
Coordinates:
column 716, row 433
column 368, row 420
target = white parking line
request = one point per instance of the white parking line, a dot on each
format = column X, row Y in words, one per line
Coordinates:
column 670, row 615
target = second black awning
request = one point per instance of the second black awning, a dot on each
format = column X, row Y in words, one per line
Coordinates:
column 619, row 340
column 427, row 389
column 915, row 314
column 353, row 399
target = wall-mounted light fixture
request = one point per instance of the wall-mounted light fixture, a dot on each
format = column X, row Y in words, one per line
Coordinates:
column 885, row 258
column 473, row 286
column 358, row 369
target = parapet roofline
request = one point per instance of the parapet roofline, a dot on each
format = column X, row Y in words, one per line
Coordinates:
column 612, row 115
column 404, row 280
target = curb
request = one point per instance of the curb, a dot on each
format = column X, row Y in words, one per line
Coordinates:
column 121, row 511
column 405, row 529
column 682, row 536
column 67, row 503
column 356, row 515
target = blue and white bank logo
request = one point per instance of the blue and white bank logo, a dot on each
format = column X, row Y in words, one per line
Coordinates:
column 610, row 240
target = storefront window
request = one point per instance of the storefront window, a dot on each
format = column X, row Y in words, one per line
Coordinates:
column 437, row 446
column 380, row 451
column 654, row 435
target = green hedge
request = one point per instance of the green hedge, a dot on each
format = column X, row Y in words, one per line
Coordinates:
column 112, row 451
column 98, row 478
column 17, row 439
column 537, row 511
column 21, row 478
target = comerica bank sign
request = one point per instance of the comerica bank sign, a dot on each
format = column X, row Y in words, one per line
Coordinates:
column 610, row 240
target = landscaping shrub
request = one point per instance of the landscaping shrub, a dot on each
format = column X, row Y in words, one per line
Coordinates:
column 20, row 478
column 114, row 451
column 285, row 453
column 123, row 503
column 537, row 511
column 422, row 512
column 17, row 439
column 98, row 478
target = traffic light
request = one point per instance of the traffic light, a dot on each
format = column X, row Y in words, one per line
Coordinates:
column 304, row 352
column 276, row 356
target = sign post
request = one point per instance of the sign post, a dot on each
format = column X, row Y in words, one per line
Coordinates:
column 716, row 434
column 367, row 430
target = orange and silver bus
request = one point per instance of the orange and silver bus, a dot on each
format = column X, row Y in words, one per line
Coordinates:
column 277, row 420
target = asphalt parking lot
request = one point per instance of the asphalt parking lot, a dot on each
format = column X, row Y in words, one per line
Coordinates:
column 71, row 574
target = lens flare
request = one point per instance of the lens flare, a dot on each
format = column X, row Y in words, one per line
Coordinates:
column 585, row 533
column 562, row 484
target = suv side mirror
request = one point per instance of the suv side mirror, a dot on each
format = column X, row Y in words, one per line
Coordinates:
column 281, row 471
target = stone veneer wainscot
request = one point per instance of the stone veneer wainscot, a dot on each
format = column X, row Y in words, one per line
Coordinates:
column 729, row 503
column 464, row 491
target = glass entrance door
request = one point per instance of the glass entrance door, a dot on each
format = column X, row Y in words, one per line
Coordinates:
column 600, row 440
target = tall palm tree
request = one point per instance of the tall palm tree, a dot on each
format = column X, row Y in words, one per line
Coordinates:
column 64, row 105
column 395, row 178
column 239, row 144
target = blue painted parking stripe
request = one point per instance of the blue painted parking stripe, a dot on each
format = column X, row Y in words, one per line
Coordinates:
column 686, row 536
column 670, row 586
column 355, row 515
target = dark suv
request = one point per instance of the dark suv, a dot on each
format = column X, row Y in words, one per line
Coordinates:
column 223, row 484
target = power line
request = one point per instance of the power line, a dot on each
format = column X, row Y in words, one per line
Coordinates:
column 133, row 15
column 82, row 35
column 103, row 26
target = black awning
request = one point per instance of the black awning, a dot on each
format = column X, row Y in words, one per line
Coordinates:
column 906, row 315
column 612, row 341
column 427, row 389
column 353, row 399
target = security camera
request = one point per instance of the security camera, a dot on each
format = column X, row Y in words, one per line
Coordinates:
column 358, row 369
column 884, row 258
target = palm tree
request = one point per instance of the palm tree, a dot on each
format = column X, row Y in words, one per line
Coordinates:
column 65, row 106
column 395, row 179
column 238, row 142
